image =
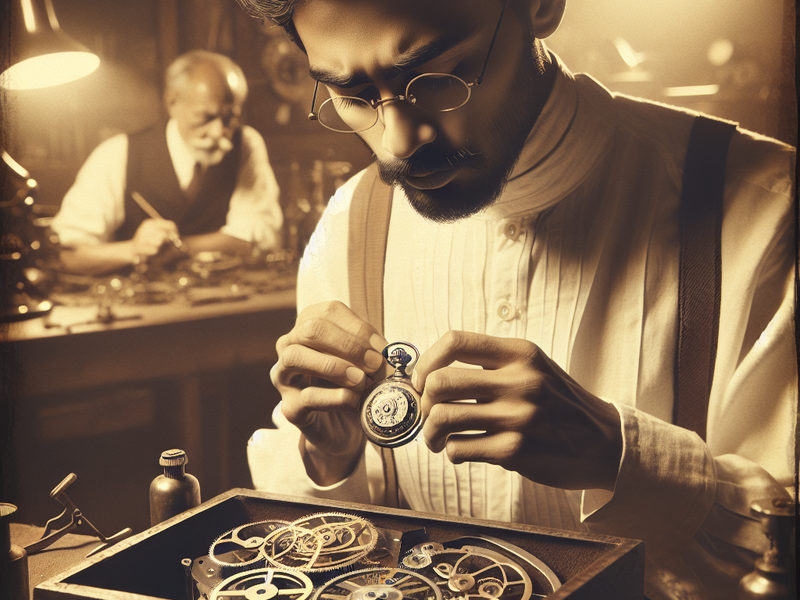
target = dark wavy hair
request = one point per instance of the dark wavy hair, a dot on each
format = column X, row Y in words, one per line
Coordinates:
column 278, row 11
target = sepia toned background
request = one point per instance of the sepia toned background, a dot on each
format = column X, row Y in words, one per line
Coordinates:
column 733, row 59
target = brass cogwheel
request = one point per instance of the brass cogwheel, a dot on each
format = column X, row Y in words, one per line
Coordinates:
column 264, row 584
column 380, row 583
column 241, row 546
column 320, row 542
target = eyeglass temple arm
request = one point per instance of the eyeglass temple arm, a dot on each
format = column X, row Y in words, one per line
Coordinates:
column 312, row 116
column 479, row 80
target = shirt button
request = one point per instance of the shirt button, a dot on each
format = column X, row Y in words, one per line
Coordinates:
column 512, row 231
column 506, row 311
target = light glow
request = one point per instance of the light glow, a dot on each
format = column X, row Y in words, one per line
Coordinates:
column 48, row 70
column 18, row 168
column 631, row 57
column 632, row 77
column 27, row 15
column 720, row 52
column 233, row 80
column 691, row 90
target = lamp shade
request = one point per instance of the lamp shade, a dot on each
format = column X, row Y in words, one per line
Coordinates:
column 40, row 53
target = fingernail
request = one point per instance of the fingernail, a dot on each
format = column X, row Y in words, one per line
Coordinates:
column 354, row 375
column 415, row 381
column 377, row 342
column 373, row 360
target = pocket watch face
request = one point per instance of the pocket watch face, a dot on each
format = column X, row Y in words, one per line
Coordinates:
column 390, row 407
column 391, row 414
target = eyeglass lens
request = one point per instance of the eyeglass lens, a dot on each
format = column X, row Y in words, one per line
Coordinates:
column 437, row 92
column 343, row 113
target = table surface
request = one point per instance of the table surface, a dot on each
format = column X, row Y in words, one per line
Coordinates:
column 166, row 332
column 56, row 558
column 159, row 303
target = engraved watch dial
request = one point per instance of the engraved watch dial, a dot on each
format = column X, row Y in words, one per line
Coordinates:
column 390, row 407
column 391, row 415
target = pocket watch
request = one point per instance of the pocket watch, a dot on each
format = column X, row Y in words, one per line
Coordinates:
column 391, row 413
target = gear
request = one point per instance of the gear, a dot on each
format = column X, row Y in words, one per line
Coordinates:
column 381, row 583
column 419, row 556
column 471, row 573
column 320, row 542
column 241, row 546
column 264, row 584
column 545, row 581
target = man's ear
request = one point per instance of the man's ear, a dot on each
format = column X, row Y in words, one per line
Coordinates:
column 546, row 16
column 170, row 99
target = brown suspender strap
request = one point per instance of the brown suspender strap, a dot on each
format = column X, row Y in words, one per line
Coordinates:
column 700, row 270
column 370, row 210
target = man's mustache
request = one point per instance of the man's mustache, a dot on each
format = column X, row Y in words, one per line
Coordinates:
column 425, row 162
column 208, row 144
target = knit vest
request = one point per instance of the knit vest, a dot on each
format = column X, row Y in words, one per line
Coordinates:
column 150, row 172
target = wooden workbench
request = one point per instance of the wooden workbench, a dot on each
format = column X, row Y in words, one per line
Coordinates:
column 103, row 398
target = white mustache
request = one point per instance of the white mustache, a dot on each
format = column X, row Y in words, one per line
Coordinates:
column 207, row 145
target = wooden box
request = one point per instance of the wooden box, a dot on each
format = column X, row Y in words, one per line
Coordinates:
column 148, row 565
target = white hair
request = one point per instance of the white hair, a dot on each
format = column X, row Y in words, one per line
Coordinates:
column 179, row 74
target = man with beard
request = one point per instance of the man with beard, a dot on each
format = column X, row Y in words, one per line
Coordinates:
column 533, row 256
column 201, row 180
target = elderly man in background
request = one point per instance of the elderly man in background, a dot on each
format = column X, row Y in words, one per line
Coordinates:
column 201, row 177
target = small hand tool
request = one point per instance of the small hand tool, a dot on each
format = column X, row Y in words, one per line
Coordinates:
column 153, row 214
column 77, row 522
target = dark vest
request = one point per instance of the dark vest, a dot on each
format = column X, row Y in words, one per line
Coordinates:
column 150, row 172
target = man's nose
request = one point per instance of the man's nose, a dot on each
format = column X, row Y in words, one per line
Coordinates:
column 216, row 128
column 404, row 129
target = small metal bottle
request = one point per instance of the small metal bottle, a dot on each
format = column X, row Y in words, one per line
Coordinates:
column 176, row 490
column 774, row 575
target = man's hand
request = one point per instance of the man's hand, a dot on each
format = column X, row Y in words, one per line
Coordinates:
column 321, row 374
column 151, row 235
column 99, row 259
column 533, row 418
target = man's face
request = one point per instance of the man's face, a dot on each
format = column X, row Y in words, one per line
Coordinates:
column 450, row 164
column 207, row 116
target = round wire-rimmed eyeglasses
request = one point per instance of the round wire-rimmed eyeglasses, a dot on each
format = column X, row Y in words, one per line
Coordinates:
column 435, row 92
